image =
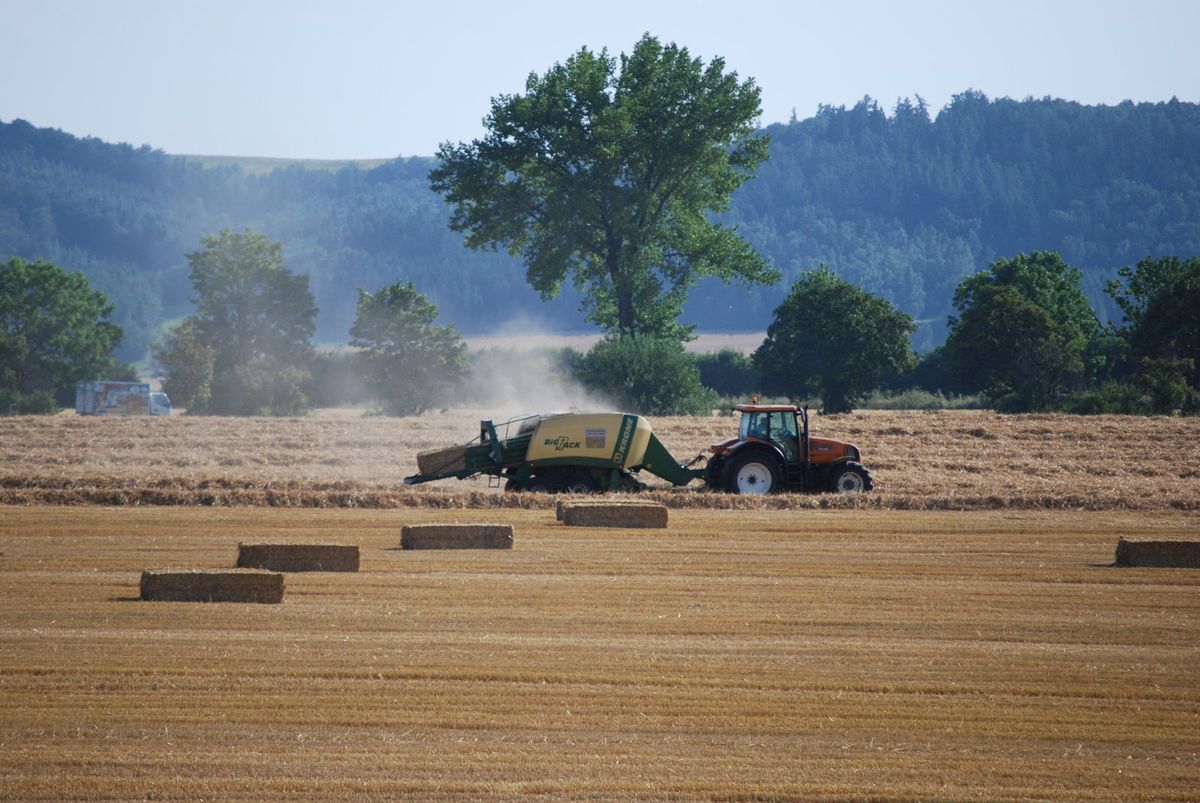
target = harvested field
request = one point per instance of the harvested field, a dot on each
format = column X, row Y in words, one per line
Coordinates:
column 591, row 514
column 1171, row 554
column 456, row 536
column 743, row 655
column 205, row 585
column 953, row 460
column 299, row 557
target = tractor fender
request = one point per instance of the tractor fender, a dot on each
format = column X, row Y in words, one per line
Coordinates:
column 755, row 445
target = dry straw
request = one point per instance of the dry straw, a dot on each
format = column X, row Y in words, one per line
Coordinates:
column 299, row 557
column 456, row 536
column 441, row 461
column 623, row 515
column 226, row 585
column 1158, row 553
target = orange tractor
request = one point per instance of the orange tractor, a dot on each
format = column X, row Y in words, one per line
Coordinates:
column 774, row 451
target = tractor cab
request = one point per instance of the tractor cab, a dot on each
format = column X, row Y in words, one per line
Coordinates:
column 776, row 424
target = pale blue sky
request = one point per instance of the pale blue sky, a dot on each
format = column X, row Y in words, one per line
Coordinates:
column 368, row 78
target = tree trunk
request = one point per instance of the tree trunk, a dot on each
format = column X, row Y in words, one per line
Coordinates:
column 622, row 292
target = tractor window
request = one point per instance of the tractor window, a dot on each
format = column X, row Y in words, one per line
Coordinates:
column 753, row 424
column 783, row 425
column 783, row 433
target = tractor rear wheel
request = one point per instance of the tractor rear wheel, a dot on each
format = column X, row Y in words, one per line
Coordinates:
column 540, row 485
column 753, row 473
column 581, row 483
column 850, row 478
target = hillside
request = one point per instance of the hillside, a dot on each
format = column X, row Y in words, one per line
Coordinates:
column 905, row 204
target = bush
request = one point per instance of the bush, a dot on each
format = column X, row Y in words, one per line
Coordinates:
column 1111, row 397
column 728, row 372
column 1159, row 387
column 647, row 375
column 920, row 399
column 38, row 402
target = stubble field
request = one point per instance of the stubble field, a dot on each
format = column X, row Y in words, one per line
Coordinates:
column 962, row 460
column 969, row 640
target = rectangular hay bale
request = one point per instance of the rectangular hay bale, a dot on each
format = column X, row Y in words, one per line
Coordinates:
column 628, row 516
column 561, row 505
column 440, row 461
column 224, row 585
column 456, row 536
column 1168, row 554
column 299, row 557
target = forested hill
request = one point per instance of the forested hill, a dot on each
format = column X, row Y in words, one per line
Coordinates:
column 903, row 203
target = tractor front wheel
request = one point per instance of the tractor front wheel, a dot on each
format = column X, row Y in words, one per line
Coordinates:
column 753, row 473
column 850, row 478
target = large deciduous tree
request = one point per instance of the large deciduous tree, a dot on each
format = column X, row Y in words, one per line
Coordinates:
column 54, row 332
column 835, row 339
column 246, row 349
column 1023, row 331
column 607, row 176
column 408, row 364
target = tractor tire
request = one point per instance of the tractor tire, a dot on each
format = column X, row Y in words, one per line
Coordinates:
column 850, row 478
column 754, row 472
column 582, row 483
column 540, row 485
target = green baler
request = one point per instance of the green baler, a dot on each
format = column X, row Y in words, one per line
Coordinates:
column 578, row 452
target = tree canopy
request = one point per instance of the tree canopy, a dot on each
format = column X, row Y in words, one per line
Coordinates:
column 250, row 336
column 647, row 375
column 1160, row 299
column 608, row 177
column 832, row 338
column 54, row 332
column 1023, row 329
column 408, row 364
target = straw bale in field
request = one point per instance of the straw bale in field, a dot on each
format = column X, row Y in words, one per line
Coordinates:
column 225, row 585
column 562, row 505
column 614, row 515
column 440, row 461
column 456, row 536
column 299, row 557
column 1177, row 554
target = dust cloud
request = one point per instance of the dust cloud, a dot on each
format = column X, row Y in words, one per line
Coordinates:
column 509, row 382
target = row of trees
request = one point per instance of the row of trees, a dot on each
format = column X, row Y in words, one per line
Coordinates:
column 1024, row 337
column 247, row 349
